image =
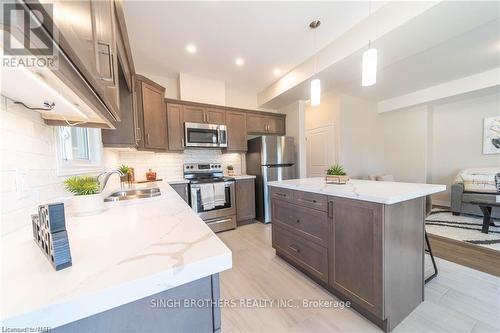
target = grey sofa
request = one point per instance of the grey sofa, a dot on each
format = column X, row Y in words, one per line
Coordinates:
column 460, row 201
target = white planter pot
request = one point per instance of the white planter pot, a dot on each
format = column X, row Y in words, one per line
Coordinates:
column 88, row 204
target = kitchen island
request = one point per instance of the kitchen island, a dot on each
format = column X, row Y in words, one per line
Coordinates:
column 129, row 262
column 363, row 241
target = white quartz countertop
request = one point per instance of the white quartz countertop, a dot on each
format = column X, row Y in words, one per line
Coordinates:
column 242, row 177
column 131, row 250
column 365, row 190
column 178, row 181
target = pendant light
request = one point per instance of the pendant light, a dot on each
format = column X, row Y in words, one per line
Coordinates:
column 315, row 83
column 369, row 63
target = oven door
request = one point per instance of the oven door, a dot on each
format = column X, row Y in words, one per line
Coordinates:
column 219, row 211
column 205, row 135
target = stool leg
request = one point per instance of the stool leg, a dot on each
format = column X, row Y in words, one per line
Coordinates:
column 432, row 259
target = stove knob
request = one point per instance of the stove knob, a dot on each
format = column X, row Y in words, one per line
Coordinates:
column 218, row 166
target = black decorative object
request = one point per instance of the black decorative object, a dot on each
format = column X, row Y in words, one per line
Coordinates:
column 49, row 232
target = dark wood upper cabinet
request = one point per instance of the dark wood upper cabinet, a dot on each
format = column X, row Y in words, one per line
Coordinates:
column 175, row 127
column 265, row 124
column 152, row 111
column 215, row 116
column 236, row 131
column 193, row 114
column 105, row 50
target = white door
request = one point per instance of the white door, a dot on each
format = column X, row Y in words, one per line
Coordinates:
column 320, row 150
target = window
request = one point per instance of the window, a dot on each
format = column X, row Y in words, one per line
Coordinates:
column 79, row 151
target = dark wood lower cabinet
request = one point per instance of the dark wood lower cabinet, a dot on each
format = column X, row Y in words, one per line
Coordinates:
column 367, row 253
column 245, row 201
column 182, row 191
column 167, row 311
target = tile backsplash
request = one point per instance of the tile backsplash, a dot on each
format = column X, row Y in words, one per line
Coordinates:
column 169, row 165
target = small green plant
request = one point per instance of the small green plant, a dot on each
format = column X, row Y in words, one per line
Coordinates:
column 124, row 169
column 336, row 170
column 82, row 185
column 230, row 167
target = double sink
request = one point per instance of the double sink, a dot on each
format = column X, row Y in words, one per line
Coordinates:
column 133, row 194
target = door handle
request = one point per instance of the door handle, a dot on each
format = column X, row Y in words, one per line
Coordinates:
column 111, row 77
column 137, row 134
column 309, row 200
column 330, row 209
column 147, row 138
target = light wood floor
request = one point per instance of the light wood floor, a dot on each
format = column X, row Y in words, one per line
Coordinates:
column 459, row 299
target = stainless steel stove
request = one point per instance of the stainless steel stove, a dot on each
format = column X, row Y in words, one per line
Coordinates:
column 218, row 218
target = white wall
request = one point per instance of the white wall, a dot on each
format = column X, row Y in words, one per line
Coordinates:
column 171, row 84
column 295, row 127
column 203, row 90
column 405, row 144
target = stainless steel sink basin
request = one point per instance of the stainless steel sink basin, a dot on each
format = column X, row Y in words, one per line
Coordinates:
column 133, row 194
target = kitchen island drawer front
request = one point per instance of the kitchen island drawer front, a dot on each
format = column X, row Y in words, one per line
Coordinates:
column 310, row 256
column 311, row 200
column 309, row 223
column 281, row 194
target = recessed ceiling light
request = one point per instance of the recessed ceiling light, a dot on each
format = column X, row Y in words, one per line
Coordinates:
column 277, row 71
column 191, row 48
column 239, row 61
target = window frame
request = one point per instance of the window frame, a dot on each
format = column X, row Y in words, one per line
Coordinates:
column 79, row 167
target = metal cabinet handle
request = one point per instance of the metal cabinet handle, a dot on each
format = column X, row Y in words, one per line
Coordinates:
column 309, row 200
column 294, row 248
column 298, row 221
column 137, row 134
column 111, row 78
column 281, row 194
column 330, row 209
column 147, row 138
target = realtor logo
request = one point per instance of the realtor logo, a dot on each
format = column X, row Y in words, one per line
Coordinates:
column 28, row 36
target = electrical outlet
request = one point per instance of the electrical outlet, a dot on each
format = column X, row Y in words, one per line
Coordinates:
column 22, row 184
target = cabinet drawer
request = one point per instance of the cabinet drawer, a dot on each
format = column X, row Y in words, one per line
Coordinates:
column 281, row 193
column 309, row 223
column 310, row 256
column 311, row 200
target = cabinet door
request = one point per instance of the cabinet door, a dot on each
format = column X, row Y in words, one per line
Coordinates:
column 215, row 116
column 236, row 131
column 174, row 127
column 276, row 125
column 256, row 124
column 182, row 191
column 105, row 46
column 193, row 114
column 245, row 199
column 154, row 117
column 356, row 252
column 79, row 34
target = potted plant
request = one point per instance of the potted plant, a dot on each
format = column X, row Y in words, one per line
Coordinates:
column 336, row 175
column 126, row 171
column 87, row 198
column 230, row 170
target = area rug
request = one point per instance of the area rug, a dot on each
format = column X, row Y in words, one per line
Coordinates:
column 465, row 228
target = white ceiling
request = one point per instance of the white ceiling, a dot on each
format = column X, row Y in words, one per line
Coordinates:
column 267, row 35
column 449, row 41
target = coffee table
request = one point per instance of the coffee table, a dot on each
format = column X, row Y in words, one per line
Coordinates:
column 486, row 208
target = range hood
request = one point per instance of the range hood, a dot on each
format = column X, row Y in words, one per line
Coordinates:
column 60, row 93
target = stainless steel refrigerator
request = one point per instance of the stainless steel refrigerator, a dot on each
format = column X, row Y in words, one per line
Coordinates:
column 269, row 158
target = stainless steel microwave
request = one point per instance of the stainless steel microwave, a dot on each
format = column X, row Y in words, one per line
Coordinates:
column 205, row 135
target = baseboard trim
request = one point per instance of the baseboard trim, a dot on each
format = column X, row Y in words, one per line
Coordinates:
column 466, row 254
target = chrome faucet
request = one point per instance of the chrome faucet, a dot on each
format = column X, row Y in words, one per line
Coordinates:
column 106, row 176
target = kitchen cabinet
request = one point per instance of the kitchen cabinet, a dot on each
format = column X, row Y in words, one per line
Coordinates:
column 175, row 128
column 356, row 252
column 236, row 123
column 368, row 253
column 152, row 114
column 245, row 201
column 195, row 114
column 265, row 124
column 182, row 191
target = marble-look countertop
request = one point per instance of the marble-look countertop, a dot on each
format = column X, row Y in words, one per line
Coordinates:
column 131, row 250
column 366, row 190
column 242, row 177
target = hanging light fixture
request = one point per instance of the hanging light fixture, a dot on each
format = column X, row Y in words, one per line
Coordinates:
column 369, row 63
column 315, row 83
